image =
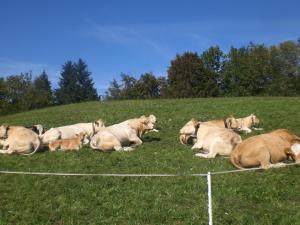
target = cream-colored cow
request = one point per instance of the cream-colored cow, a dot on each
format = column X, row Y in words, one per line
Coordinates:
column 215, row 140
column 70, row 131
column 123, row 136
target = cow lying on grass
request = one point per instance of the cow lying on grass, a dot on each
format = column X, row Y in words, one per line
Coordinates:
column 188, row 133
column 123, row 136
column 211, row 136
column 295, row 150
column 265, row 150
column 68, row 144
column 215, row 140
column 71, row 131
column 18, row 139
column 244, row 124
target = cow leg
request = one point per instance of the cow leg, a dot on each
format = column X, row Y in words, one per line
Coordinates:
column 6, row 151
column 198, row 145
column 247, row 130
column 128, row 149
column 210, row 155
column 278, row 165
column 4, row 144
column 135, row 140
column 107, row 146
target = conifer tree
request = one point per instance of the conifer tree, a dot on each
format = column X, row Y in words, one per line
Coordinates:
column 68, row 87
column 75, row 84
column 86, row 91
column 42, row 91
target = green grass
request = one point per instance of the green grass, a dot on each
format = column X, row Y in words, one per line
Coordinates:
column 270, row 197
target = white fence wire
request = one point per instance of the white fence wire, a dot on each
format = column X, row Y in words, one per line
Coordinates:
column 207, row 175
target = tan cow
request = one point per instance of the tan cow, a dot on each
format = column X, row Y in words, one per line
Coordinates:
column 18, row 139
column 265, row 150
column 244, row 124
column 68, row 144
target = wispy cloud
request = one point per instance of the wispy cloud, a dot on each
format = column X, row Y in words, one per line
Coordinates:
column 138, row 36
column 116, row 34
column 9, row 67
column 164, row 38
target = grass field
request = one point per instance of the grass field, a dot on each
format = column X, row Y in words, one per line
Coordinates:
column 270, row 197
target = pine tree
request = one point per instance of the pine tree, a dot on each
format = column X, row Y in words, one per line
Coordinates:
column 75, row 84
column 42, row 91
column 68, row 87
column 86, row 91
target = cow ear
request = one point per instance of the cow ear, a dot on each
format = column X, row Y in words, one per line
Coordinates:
column 253, row 117
column 152, row 118
column 34, row 129
column 295, row 141
column 96, row 123
column 228, row 122
column 195, row 121
column 6, row 127
column 144, row 119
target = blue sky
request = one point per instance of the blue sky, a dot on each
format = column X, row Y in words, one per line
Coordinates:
column 132, row 36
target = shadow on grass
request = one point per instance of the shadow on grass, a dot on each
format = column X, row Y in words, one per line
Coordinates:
column 151, row 139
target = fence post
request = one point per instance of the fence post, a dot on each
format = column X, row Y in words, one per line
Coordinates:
column 210, row 219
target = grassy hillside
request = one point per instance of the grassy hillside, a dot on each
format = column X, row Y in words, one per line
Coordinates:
column 270, row 197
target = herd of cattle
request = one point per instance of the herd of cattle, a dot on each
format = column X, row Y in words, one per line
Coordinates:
column 214, row 137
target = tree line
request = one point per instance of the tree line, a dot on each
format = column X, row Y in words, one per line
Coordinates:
column 23, row 92
column 251, row 70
